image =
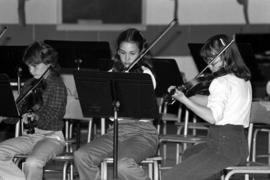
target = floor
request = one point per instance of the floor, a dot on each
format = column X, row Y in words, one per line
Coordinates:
column 170, row 161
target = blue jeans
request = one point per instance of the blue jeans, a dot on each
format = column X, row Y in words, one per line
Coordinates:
column 137, row 141
column 41, row 147
column 227, row 146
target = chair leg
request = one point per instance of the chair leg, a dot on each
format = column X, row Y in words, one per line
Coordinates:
column 268, row 147
column 104, row 170
column 164, row 144
column 90, row 123
column 71, row 171
column 150, row 171
column 65, row 170
column 156, row 170
column 177, row 156
column 254, row 145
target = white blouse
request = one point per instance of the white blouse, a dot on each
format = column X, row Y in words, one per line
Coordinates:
column 230, row 100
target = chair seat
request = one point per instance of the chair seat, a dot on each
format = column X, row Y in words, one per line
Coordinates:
column 197, row 125
column 169, row 117
column 249, row 166
column 182, row 138
column 70, row 141
column 147, row 160
column 65, row 156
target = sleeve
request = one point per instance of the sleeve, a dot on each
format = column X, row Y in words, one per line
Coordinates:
column 148, row 71
column 218, row 97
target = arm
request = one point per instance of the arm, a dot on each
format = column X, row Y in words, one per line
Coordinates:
column 197, row 104
column 54, row 102
column 199, row 99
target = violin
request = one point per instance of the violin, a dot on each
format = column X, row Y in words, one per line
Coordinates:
column 201, row 82
column 199, row 85
column 31, row 101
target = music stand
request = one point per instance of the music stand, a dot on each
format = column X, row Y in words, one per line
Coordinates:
column 11, row 60
column 83, row 54
column 111, row 94
column 8, row 106
column 167, row 74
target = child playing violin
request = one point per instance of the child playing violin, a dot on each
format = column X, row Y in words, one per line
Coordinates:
column 46, row 140
column 226, row 108
column 137, row 139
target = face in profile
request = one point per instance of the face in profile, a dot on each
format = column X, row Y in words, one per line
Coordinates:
column 216, row 65
column 128, row 52
column 38, row 70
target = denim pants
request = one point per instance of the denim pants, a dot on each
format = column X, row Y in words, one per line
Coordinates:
column 136, row 141
column 41, row 147
column 226, row 146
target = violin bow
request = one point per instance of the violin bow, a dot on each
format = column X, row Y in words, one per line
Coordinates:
column 223, row 50
column 19, row 100
column 171, row 24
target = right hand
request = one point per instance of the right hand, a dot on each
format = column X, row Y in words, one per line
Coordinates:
column 178, row 95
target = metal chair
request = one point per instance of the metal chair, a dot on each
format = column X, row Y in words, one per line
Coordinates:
column 262, row 127
column 165, row 118
column 250, row 167
column 182, row 139
column 152, row 164
column 66, row 157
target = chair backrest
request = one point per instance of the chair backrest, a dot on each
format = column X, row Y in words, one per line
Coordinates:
column 258, row 114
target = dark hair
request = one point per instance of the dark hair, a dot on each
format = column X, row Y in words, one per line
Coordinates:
column 40, row 52
column 131, row 35
column 135, row 36
column 234, row 62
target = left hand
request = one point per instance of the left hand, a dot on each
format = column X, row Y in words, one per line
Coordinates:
column 29, row 117
column 178, row 95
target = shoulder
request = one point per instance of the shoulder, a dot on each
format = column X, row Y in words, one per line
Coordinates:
column 147, row 70
column 226, row 79
column 222, row 83
column 55, row 81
